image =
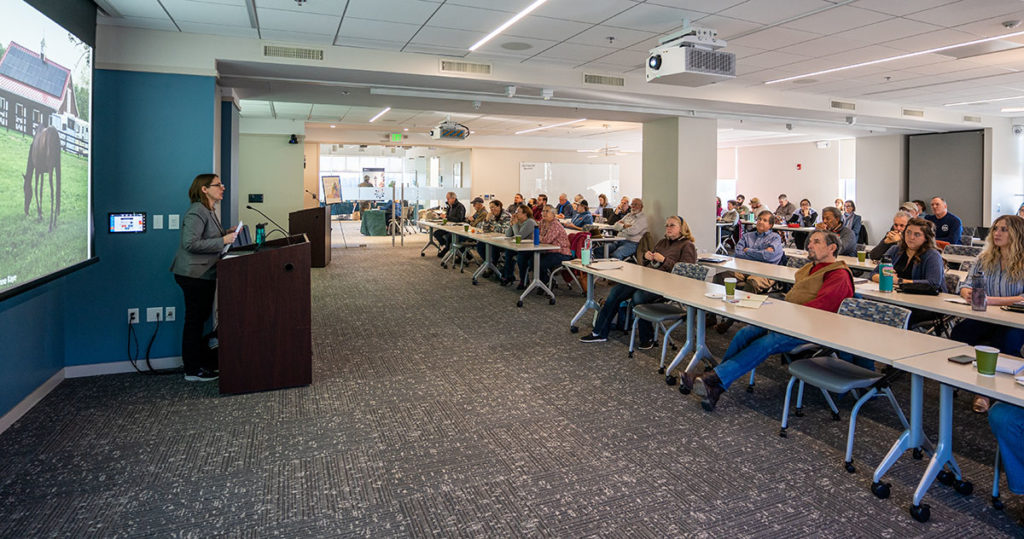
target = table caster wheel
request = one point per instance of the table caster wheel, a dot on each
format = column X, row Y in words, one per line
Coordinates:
column 835, row 416
column 997, row 504
column 945, row 478
column 630, row 354
column 421, row 254
column 474, row 282
column 881, row 490
column 574, row 329
column 782, row 432
column 671, row 380
column 963, row 487
column 849, row 467
column 921, row 513
column 519, row 303
column 683, row 390
column 917, row 454
column 750, row 388
column 443, row 265
column 661, row 370
column 551, row 301
column 799, row 412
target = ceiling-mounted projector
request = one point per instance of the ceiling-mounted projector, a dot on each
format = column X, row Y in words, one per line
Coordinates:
column 449, row 130
column 690, row 58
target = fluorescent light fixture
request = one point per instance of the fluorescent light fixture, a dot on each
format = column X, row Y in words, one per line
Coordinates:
column 550, row 126
column 333, row 126
column 379, row 114
column 507, row 23
column 983, row 101
column 1013, row 109
column 893, row 58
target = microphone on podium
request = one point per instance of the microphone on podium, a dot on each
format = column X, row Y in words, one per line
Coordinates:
column 279, row 227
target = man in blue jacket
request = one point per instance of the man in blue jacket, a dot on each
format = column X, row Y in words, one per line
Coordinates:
column 947, row 226
column 564, row 208
column 761, row 245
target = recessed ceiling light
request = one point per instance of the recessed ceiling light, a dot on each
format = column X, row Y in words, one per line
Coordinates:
column 516, row 46
column 333, row 126
column 507, row 23
column 894, row 58
column 379, row 114
column 1013, row 109
column 406, row 129
column 550, row 126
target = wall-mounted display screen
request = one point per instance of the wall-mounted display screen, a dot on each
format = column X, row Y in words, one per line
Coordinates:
column 132, row 223
column 45, row 148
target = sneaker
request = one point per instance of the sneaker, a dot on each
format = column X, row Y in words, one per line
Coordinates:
column 723, row 326
column 646, row 345
column 202, row 375
column 709, row 388
column 593, row 338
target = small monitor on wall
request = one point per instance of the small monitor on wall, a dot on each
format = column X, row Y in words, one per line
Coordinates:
column 127, row 222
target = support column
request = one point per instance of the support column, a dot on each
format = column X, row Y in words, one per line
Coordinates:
column 680, row 175
column 229, row 161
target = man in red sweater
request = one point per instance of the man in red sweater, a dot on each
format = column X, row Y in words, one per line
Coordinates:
column 822, row 284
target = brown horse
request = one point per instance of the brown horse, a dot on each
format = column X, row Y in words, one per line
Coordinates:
column 43, row 158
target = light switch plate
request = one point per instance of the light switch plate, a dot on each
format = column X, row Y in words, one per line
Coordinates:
column 173, row 221
column 158, row 221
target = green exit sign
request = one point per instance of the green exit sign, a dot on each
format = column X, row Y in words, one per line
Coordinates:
column 396, row 137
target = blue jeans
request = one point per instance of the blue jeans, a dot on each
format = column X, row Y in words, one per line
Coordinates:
column 749, row 348
column 1008, row 340
column 550, row 261
column 618, row 294
column 508, row 270
column 623, row 249
column 1007, row 422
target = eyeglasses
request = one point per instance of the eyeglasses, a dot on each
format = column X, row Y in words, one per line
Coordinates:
column 221, row 185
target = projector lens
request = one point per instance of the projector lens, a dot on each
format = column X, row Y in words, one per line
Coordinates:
column 654, row 61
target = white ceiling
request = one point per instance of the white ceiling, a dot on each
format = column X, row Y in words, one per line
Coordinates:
column 771, row 39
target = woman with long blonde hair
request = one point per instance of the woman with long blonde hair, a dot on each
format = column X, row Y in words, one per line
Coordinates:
column 1001, row 264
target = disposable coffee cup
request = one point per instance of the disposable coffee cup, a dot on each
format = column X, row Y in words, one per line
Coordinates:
column 730, row 287
column 465, row 228
column 519, row 239
column 862, row 256
column 986, row 357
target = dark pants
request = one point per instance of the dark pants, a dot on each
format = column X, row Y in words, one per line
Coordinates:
column 199, row 295
column 550, row 261
column 973, row 332
column 618, row 294
column 443, row 239
column 800, row 239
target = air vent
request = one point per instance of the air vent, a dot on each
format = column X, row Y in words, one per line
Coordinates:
column 456, row 66
column 975, row 119
column 914, row 113
column 603, row 79
column 843, row 105
column 718, row 63
column 295, row 53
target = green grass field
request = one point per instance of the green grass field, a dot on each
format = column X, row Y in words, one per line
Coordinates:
column 27, row 247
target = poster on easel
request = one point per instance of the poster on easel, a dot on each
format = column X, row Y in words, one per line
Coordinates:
column 331, row 189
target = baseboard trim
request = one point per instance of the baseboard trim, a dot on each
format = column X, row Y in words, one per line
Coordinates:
column 119, row 367
column 31, row 400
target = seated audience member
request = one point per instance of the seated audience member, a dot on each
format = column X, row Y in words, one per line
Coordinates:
column 922, row 210
column 785, row 210
column 832, row 221
column 620, row 211
column 479, row 212
column 542, row 200
column 916, row 259
column 822, row 284
column 454, row 212
column 805, row 217
column 850, row 218
column 576, row 199
column 1007, row 423
column 947, row 226
column 762, row 245
column 564, row 208
column 551, row 232
column 731, row 215
column 631, row 228
column 498, row 221
column 741, row 206
column 911, row 209
column 1020, row 211
column 756, row 207
column 516, row 202
column 718, row 207
column 892, row 237
column 583, row 216
column 676, row 246
column 522, row 225
column 838, row 203
column 602, row 203
column 1001, row 265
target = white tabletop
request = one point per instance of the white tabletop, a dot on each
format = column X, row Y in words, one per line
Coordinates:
column 785, row 228
column 936, row 366
column 753, row 267
column 938, row 304
column 958, row 259
column 875, row 341
column 499, row 240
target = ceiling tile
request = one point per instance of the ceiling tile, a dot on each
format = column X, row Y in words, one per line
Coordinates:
column 771, row 11
column 775, row 38
column 323, row 7
column 598, row 36
column 887, row 30
column 218, row 29
column 449, row 38
column 902, row 7
column 293, row 21
column 726, row 26
column 837, row 20
column 290, row 36
column 139, row 22
column 822, row 47
column 207, row 12
column 292, row 110
column 405, row 11
column 508, row 6
column 992, row 26
column 355, row 28
column 773, row 59
column 967, row 11
column 468, row 18
column 146, row 9
column 601, row 67
column 596, row 10
column 652, row 18
column 254, row 107
column 498, row 51
column 625, row 58
column 704, row 6
column 435, row 49
column 545, row 28
column 575, row 53
column 930, row 40
column 368, row 43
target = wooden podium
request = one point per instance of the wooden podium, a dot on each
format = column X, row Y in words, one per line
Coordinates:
column 264, row 321
column 315, row 223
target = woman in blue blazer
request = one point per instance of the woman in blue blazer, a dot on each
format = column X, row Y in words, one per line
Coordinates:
column 195, row 271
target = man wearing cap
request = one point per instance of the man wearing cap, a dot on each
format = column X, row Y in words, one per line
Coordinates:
column 454, row 212
column 479, row 212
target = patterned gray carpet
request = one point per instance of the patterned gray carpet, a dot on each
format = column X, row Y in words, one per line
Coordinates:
column 440, row 409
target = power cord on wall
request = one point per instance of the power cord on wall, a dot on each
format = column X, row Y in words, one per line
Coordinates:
column 133, row 337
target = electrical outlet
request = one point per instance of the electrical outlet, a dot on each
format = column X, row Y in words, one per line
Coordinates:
column 154, row 314
column 133, row 316
column 169, row 314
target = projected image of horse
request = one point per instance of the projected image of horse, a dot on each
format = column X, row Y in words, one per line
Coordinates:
column 43, row 158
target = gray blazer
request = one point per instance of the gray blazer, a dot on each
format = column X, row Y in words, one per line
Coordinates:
column 202, row 238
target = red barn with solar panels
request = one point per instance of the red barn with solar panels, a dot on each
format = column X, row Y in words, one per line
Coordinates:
column 32, row 87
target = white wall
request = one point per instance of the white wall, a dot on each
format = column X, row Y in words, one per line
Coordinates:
column 767, row 171
column 881, row 181
column 269, row 165
column 497, row 171
column 1003, row 168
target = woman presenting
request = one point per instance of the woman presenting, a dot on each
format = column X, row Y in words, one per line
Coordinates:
column 195, row 271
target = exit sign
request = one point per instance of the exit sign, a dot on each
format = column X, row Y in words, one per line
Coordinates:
column 396, row 137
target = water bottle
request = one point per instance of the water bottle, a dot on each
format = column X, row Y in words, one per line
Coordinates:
column 585, row 254
column 979, row 299
column 536, row 235
column 261, row 234
column 886, row 273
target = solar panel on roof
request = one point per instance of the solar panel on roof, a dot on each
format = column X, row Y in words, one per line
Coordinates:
column 23, row 67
